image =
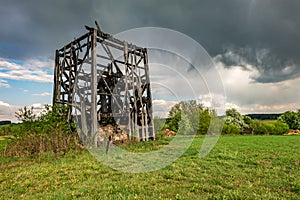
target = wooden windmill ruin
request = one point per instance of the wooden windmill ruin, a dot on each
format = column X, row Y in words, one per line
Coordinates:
column 105, row 81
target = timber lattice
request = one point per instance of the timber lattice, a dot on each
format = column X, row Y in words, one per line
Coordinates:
column 105, row 81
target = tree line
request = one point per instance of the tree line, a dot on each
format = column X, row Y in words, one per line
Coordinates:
column 192, row 117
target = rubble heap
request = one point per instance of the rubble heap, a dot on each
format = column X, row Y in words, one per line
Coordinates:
column 109, row 132
column 169, row 133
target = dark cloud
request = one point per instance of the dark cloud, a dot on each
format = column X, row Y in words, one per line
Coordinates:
column 263, row 33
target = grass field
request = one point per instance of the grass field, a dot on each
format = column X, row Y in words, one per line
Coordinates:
column 239, row 167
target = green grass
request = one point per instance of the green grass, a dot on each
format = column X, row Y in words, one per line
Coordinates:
column 239, row 167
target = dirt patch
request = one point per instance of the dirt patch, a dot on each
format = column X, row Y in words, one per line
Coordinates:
column 293, row 132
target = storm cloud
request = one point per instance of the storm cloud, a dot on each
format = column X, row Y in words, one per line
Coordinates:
column 263, row 34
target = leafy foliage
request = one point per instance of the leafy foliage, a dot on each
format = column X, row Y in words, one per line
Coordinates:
column 185, row 116
column 48, row 132
column 235, row 123
column 259, row 128
column 25, row 114
column 189, row 118
column 235, row 118
column 230, row 129
column 280, row 128
column 291, row 118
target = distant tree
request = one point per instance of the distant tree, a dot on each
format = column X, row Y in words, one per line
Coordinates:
column 192, row 111
column 247, row 120
column 189, row 116
column 235, row 118
column 173, row 121
column 174, row 110
column 291, row 118
column 5, row 122
column 204, row 120
column 25, row 114
column 185, row 127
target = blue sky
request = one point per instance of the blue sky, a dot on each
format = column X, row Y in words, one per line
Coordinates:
column 254, row 45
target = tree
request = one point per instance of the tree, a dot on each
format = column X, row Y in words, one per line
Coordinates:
column 173, row 122
column 291, row 118
column 189, row 115
column 174, row 110
column 185, row 126
column 204, row 121
column 247, row 120
column 25, row 114
column 235, row 118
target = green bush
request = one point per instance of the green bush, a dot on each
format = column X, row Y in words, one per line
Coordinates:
column 6, row 130
column 291, row 118
column 258, row 127
column 280, row 128
column 56, row 142
column 189, row 117
column 204, row 121
column 270, row 128
column 230, row 129
column 49, row 132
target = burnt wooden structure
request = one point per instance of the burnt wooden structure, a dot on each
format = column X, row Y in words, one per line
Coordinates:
column 105, row 81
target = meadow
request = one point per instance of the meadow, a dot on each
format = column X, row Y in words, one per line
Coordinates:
column 239, row 167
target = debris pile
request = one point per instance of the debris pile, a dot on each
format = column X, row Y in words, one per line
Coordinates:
column 169, row 133
column 111, row 133
column 293, row 132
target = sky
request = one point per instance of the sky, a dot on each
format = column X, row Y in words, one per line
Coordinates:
column 253, row 43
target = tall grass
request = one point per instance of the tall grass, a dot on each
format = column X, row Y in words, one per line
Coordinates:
column 47, row 133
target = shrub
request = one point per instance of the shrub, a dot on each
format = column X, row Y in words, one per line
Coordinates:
column 6, row 130
column 270, row 128
column 230, row 129
column 258, row 127
column 48, row 133
column 57, row 142
column 280, row 128
column 291, row 118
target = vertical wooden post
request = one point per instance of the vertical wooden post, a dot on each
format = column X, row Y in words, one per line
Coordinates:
column 149, row 95
column 94, row 121
column 56, row 87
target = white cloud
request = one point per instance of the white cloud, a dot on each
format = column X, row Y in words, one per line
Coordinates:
column 161, row 107
column 4, row 84
column 4, row 104
column 7, row 111
column 31, row 70
column 42, row 94
column 231, row 106
column 252, row 97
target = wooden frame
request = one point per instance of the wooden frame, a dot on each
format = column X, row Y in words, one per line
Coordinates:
column 105, row 81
